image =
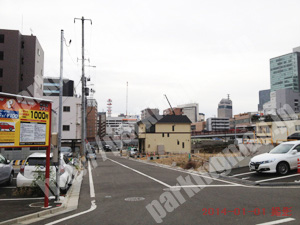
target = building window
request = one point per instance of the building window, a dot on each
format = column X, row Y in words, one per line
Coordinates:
column 182, row 144
column 1, row 72
column 297, row 127
column 67, row 109
column 168, row 135
column 23, row 44
column 22, row 61
column 21, row 77
column 178, row 142
column 173, row 128
column 1, row 38
column 0, row 88
column 66, row 127
column 1, row 55
column 163, row 134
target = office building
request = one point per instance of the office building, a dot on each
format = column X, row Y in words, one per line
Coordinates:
column 145, row 113
column 21, row 64
column 51, row 87
column 217, row 124
column 191, row 111
column 101, row 124
column 225, row 108
column 91, row 120
column 121, row 125
column 264, row 96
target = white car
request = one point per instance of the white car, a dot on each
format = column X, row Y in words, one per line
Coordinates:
column 279, row 160
column 36, row 162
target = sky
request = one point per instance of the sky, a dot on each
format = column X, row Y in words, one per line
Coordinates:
column 194, row 51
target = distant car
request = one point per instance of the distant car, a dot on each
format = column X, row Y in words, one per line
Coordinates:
column 6, row 171
column 294, row 136
column 91, row 155
column 107, row 148
column 279, row 160
column 36, row 163
column 6, row 126
column 67, row 151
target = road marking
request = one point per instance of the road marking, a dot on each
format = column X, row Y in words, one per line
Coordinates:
column 20, row 199
column 276, row 178
column 245, row 178
column 93, row 207
column 92, row 189
column 193, row 174
column 213, row 185
column 277, row 221
column 241, row 174
column 152, row 178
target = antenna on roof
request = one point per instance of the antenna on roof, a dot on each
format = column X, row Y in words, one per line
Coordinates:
column 170, row 105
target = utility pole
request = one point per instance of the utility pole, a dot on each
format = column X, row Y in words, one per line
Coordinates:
column 83, row 102
column 60, row 115
column 126, row 99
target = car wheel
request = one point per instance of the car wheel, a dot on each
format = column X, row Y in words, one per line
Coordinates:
column 65, row 189
column 11, row 177
column 282, row 168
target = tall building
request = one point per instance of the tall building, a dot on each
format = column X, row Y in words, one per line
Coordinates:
column 225, row 108
column 191, row 111
column 284, row 72
column 91, row 120
column 121, row 125
column 21, row 64
column 145, row 113
column 102, row 124
column 51, row 87
column 264, row 96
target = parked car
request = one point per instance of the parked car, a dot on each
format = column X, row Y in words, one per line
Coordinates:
column 294, row 136
column 36, row 163
column 107, row 148
column 279, row 160
column 6, row 171
column 6, row 126
column 91, row 155
column 67, row 151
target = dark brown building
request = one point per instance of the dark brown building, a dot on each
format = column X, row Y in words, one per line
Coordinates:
column 91, row 120
column 21, row 64
column 102, row 124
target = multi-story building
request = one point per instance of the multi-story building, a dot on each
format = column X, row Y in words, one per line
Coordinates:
column 198, row 126
column 217, row 124
column 170, row 133
column 71, row 116
column 51, row 87
column 21, row 64
column 101, row 124
column 121, row 125
column 191, row 111
column 91, row 120
column 225, row 108
column 145, row 113
column 201, row 117
column 284, row 72
column 264, row 96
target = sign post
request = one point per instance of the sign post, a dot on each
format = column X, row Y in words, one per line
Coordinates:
column 26, row 122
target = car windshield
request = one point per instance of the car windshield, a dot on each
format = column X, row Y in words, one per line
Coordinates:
column 65, row 149
column 281, row 149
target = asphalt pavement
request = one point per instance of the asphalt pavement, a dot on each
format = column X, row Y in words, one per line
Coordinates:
column 122, row 191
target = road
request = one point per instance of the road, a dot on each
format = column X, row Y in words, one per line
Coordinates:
column 122, row 190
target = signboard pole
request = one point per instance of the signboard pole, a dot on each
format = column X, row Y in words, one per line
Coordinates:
column 46, row 199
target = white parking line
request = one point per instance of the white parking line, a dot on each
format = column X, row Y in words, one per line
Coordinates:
column 20, row 199
column 208, row 185
column 93, row 207
column 152, row 178
column 241, row 174
column 276, row 178
column 277, row 221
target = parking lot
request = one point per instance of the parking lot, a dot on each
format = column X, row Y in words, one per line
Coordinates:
column 243, row 173
column 18, row 206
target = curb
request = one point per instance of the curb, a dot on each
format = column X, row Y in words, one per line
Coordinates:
column 70, row 203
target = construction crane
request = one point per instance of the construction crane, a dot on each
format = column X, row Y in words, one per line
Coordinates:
column 170, row 105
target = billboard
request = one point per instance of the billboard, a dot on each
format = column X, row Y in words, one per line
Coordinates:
column 24, row 121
